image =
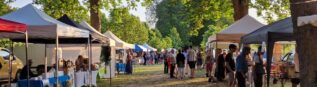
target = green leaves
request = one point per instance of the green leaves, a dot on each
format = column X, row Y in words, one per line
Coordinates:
column 272, row 10
column 176, row 40
column 4, row 7
column 127, row 27
column 57, row 8
column 191, row 18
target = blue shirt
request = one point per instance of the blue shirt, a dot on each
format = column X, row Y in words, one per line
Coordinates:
column 241, row 64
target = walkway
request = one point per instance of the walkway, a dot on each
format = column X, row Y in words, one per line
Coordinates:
column 152, row 76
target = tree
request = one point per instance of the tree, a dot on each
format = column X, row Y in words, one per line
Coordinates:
column 190, row 17
column 214, row 28
column 176, row 40
column 241, row 8
column 305, row 41
column 127, row 27
column 4, row 7
column 96, row 5
column 57, row 8
column 155, row 39
column 168, row 42
column 95, row 14
column 272, row 10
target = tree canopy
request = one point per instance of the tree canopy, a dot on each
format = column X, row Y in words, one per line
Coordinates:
column 127, row 27
column 272, row 10
column 57, row 8
column 190, row 18
column 176, row 23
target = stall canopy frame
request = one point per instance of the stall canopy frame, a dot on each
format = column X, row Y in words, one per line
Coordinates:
column 15, row 27
column 278, row 31
column 45, row 29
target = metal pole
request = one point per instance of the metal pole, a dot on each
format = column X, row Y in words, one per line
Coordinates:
column 110, row 65
column 45, row 61
column 27, row 59
column 90, row 60
column 10, row 64
column 56, row 61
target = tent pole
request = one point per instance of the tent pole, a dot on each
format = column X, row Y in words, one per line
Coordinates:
column 56, row 60
column 269, row 53
column 90, row 60
column 45, row 61
column 27, row 59
column 10, row 64
column 110, row 65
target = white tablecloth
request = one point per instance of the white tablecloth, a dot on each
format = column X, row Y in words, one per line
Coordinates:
column 82, row 78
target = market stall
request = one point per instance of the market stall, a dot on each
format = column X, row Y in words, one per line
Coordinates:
column 278, row 31
column 11, row 27
column 45, row 29
column 235, row 31
column 121, row 48
column 111, row 43
column 99, row 41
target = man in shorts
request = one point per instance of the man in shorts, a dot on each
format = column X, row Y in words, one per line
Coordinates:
column 230, row 64
column 191, row 61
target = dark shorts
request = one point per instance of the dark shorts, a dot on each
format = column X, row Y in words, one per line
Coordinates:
column 192, row 64
column 295, row 80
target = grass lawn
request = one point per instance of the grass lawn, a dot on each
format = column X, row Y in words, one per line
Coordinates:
column 152, row 76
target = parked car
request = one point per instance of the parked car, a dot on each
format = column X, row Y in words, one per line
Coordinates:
column 17, row 65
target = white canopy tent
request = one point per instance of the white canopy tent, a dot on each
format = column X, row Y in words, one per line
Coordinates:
column 119, row 43
column 234, row 32
column 97, row 34
column 44, row 29
column 42, row 26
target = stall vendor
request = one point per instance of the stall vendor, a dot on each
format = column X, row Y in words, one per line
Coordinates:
column 24, row 71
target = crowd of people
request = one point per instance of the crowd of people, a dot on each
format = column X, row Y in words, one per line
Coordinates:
column 230, row 65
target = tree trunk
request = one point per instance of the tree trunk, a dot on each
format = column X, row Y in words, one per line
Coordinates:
column 241, row 8
column 95, row 19
column 306, row 42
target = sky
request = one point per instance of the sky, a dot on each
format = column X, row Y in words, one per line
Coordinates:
column 140, row 11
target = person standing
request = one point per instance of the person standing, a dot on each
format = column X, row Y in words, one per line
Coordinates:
column 25, row 70
column 180, row 60
column 186, row 68
column 230, row 64
column 145, row 57
column 242, row 66
column 199, row 58
column 209, row 65
column 258, row 69
column 129, row 62
column 164, row 55
column 220, row 70
column 172, row 58
column 192, row 61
